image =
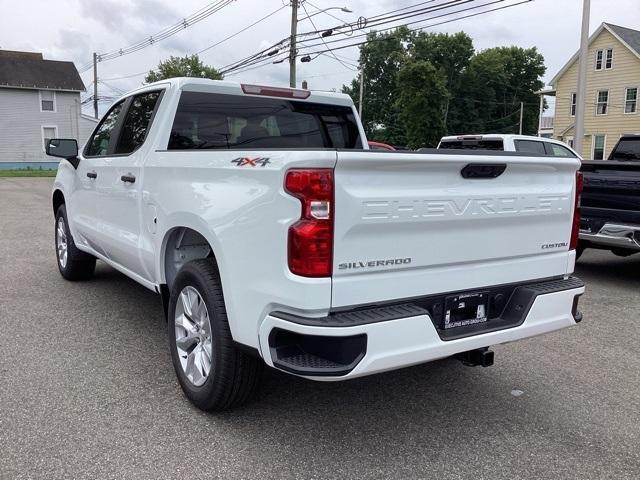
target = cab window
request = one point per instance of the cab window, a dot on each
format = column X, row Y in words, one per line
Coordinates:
column 136, row 124
column 556, row 150
column 98, row 146
column 530, row 146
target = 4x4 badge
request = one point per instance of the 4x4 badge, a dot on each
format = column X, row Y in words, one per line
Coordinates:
column 251, row 162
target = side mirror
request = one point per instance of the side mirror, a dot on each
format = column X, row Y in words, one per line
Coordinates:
column 66, row 148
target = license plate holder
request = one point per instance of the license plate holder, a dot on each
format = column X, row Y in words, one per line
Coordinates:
column 465, row 309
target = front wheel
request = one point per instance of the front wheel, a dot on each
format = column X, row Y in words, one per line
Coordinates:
column 213, row 373
column 73, row 264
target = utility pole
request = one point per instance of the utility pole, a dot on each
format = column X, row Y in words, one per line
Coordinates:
column 361, row 92
column 292, row 47
column 582, row 77
column 95, row 84
column 521, row 114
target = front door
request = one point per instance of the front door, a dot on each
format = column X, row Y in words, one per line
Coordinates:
column 90, row 187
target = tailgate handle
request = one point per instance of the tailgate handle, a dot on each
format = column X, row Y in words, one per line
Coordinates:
column 483, row 170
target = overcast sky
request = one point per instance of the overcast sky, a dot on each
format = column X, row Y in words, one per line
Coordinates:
column 73, row 29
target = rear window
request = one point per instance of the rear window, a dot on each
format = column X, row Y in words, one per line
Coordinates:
column 218, row 121
column 473, row 144
column 627, row 149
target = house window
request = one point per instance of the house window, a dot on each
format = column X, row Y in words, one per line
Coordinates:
column 598, row 146
column 47, row 134
column 47, row 101
column 569, row 141
column 602, row 102
column 573, row 104
column 608, row 62
column 599, row 55
column 604, row 59
column 631, row 100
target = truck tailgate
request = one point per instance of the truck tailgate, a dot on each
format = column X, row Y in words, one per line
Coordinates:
column 409, row 225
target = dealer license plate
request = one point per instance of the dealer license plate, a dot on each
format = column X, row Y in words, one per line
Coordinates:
column 465, row 309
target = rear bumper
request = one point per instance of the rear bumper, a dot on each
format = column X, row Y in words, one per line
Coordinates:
column 614, row 235
column 356, row 345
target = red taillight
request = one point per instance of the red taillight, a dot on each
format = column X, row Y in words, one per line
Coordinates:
column 311, row 238
column 575, row 229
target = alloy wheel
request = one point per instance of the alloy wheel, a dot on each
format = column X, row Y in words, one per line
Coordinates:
column 193, row 335
column 61, row 242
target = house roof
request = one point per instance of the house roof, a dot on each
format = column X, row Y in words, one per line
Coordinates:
column 30, row 70
column 628, row 37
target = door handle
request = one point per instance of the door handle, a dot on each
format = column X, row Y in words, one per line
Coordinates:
column 92, row 175
column 128, row 178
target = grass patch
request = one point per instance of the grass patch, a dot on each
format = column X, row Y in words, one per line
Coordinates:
column 28, row 173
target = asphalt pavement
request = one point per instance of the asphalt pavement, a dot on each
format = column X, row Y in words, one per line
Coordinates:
column 87, row 389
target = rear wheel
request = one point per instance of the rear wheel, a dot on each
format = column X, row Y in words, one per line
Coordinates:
column 73, row 264
column 213, row 373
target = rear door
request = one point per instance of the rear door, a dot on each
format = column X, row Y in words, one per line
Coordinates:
column 409, row 225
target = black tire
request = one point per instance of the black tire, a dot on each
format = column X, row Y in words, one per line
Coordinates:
column 234, row 376
column 622, row 252
column 79, row 265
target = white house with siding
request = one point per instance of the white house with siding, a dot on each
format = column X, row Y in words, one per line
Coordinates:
column 39, row 99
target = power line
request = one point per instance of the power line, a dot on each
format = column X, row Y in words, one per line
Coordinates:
column 240, row 31
column 259, row 57
column 285, row 41
column 321, row 38
column 186, row 22
column 415, row 29
column 210, row 46
column 319, row 10
column 127, row 76
column 385, row 18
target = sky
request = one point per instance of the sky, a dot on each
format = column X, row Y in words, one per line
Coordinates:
column 73, row 29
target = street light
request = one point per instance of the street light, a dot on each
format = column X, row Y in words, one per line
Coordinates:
column 294, row 32
column 343, row 9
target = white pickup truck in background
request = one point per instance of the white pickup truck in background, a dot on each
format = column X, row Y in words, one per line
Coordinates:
column 274, row 237
column 509, row 143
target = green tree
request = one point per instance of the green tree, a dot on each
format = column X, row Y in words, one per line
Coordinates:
column 495, row 82
column 482, row 93
column 187, row 66
column 451, row 55
column 381, row 58
column 421, row 103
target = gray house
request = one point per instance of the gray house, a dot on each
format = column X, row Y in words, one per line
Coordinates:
column 39, row 99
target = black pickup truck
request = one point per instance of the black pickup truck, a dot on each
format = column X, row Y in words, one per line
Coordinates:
column 610, row 208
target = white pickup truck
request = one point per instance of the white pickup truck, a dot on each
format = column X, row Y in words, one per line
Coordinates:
column 274, row 236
